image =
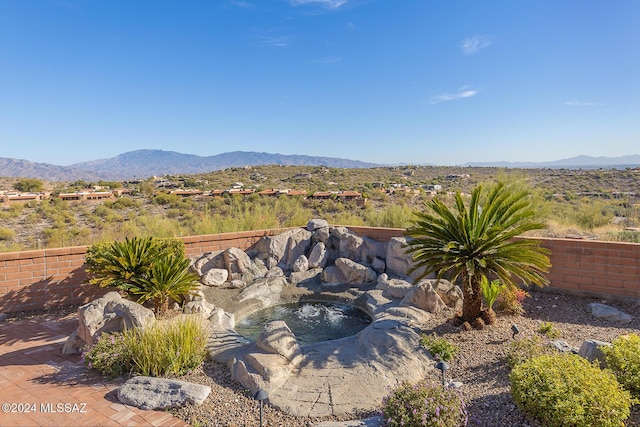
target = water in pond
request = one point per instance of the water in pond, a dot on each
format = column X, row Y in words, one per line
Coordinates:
column 311, row 322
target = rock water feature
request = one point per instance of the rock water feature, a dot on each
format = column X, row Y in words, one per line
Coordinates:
column 331, row 264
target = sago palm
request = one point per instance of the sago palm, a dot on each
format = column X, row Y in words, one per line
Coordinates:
column 469, row 243
column 168, row 278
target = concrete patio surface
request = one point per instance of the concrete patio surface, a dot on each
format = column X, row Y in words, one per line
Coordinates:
column 41, row 387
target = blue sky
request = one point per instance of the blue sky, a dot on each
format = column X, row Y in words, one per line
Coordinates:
column 384, row 81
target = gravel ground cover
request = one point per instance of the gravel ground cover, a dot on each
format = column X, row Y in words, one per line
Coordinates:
column 480, row 365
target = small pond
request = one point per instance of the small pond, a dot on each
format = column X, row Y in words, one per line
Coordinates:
column 311, row 322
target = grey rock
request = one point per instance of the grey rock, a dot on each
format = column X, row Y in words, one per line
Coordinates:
column 332, row 275
column 265, row 290
column 274, row 272
column 301, row 264
column 74, row 344
column 398, row 261
column 366, row 422
column 321, row 235
column 355, row 273
column 395, row 288
column 215, row 277
column 111, row 313
column 371, row 250
column 424, row 297
column 316, row 224
column 309, row 277
column 318, row 256
column 236, row 260
column 199, row 307
column 237, row 284
column 277, row 338
column 449, row 293
column 208, row 261
column 378, row 265
column 3, row 317
column 590, row 350
column 562, row 346
column 349, row 243
column 603, row 311
column 151, row 393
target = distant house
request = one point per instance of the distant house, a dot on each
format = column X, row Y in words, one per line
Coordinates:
column 89, row 196
column 12, row 198
column 187, row 193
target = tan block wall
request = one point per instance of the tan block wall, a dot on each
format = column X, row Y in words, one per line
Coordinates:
column 35, row 280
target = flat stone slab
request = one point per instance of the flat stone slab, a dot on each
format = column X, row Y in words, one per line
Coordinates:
column 161, row 393
column 367, row 422
column 603, row 311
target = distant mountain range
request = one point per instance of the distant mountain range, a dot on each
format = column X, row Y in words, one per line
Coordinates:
column 578, row 162
column 146, row 163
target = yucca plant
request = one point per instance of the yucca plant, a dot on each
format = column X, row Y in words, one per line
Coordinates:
column 168, row 278
column 479, row 240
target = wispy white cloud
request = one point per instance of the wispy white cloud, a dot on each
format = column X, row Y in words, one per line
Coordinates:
column 473, row 44
column 274, row 41
column 328, row 60
column 463, row 92
column 351, row 26
column 582, row 104
column 243, row 4
column 329, row 4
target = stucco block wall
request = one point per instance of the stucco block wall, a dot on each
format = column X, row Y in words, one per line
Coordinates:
column 35, row 280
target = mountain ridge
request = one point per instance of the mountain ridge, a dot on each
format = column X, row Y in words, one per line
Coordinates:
column 149, row 162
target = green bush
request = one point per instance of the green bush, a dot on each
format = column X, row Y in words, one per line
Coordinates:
column 424, row 405
column 547, row 329
column 523, row 349
column 490, row 290
column 565, row 390
column 110, row 355
column 6, row 233
column 623, row 358
column 166, row 348
column 438, row 347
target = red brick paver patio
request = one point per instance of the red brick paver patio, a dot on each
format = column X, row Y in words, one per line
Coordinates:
column 41, row 387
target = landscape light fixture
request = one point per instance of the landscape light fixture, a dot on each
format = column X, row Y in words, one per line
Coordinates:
column 261, row 396
column 515, row 330
column 442, row 366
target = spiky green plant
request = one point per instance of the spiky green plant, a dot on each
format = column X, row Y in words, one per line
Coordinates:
column 490, row 290
column 479, row 241
column 168, row 278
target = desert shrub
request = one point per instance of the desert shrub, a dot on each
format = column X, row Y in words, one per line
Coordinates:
column 169, row 347
column 547, row 329
column 565, row 390
column 110, row 355
column 165, row 348
column 510, row 300
column 523, row 349
column 438, row 346
column 428, row 405
column 623, row 358
column 6, row 233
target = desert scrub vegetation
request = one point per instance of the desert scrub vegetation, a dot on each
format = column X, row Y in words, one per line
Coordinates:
column 565, row 390
column 170, row 347
column 623, row 359
column 439, row 347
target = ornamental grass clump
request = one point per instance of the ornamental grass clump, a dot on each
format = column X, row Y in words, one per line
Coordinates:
column 166, row 348
column 623, row 358
column 424, row 405
column 565, row 390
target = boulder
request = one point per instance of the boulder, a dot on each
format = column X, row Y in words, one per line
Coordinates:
column 355, row 273
column 283, row 248
column 316, row 224
column 309, row 277
column 301, row 264
column 603, row 311
column 298, row 244
column 111, row 313
column 424, row 297
column 318, row 256
column 590, row 350
column 332, row 275
column 215, row 277
column 237, row 284
column 349, row 243
column 322, row 235
column 562, row 346
column 151, row 393
column 236, row 260
column 274, row 368
column 202, row 307
column 378, row 265
column 371, row 250
column 265, row 290
column 277, row 338
column 74, row 344
column 449, row 293
column 208, row 261
column 398, row 261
